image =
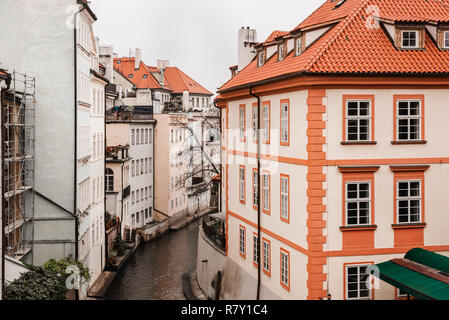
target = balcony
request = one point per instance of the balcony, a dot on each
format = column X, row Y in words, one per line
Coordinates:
column 129, row 113
column 214, row 229
column 117, row 153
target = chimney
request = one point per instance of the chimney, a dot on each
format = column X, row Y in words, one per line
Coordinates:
column 138, row 58
column 233, row 71
column 247, row 38
column 162, row 64
column 106, row 54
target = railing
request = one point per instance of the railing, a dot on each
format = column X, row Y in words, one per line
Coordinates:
column 213, row 233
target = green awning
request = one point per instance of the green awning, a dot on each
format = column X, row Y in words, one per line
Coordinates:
column 424, row 279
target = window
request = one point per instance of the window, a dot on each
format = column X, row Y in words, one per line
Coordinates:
column 145, row 76
column 281, row 52
column 408, row 120
column 146, row 136
column 255, row 189
column 401, row 293
column 285, row 122
column 242, row 122
column 410, row 39
column 261, row 58
column 285, row 198
column 137, row 167
column 150, row 135
column 242, row 242
column 266, row 192
column 358, row 203
column 138, row 196
column 446, row 39
column 255, row 122
column 356, row 282
column 358, row 120
column 298, row 46
column 133, row 136
column 109, row 179
column 285, row 269
column 132, row 197
column 255, row 249
column 408, row 202
column 130, row 75
column 242, row 195
column 266, row 257
column 266, row 121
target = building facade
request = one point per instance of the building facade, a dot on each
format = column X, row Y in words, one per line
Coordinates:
column 351, row 158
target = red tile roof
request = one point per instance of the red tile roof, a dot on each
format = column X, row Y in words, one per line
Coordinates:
column 180, row 82
column 275, row 34
column 126, row 67
column 351, row 47
column 3, row 74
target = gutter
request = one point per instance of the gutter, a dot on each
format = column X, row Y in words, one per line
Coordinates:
column 3, row 235
column 258, row 192
column 75, row 156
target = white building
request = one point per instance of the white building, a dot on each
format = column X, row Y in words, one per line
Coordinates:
column 69, row 172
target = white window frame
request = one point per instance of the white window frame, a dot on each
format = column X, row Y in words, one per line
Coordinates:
column 285, row 119
column 255, row 188
column 255, row 122
column 358, row 266
column 298, row 46
column 358, row 118
column 409, row 199
column 285, row 272
column 285, row 185
column 242, row 241
column 446, row 39
column 266, row 256
column 255, row 249
column 417, row 39
column 281, row 52
column 409, row 117
column 109, row 180
column 266, row 122
column 358, row 201
column 242, row 183
column 242, row 119
column 261, row 58
column 266, row 192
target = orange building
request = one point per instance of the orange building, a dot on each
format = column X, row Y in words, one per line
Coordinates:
column 354, row 165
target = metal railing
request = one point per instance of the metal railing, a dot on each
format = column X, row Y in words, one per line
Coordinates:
column 215, row 233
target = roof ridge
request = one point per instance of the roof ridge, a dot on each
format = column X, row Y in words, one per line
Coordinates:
column 342, row 26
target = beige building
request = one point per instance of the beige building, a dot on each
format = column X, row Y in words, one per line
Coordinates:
column 351, row 167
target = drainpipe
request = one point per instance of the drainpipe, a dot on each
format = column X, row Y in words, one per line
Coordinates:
column 75, row 174
column 221, row 166
column 258, row 191
column 3, row 235
column 106, row 245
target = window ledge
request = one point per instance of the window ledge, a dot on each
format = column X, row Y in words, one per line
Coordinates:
column 409, row 142
column 358, row 228
column 409, row 225
column 348, row 143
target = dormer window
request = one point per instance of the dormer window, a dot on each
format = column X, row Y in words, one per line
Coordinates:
column 281, row 52
column 119, row 61
column 410, row 39
column 298, row 46
column 446, row 40
column 145, row 76
column 130, row 75
column 261, row 58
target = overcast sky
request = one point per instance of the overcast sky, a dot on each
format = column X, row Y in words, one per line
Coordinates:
column 198, row 36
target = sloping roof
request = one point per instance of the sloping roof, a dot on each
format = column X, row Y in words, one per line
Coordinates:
column 422, row 274
column 351, row 47
column 275, row 34
column 126, row 67
column 3, row 74
column 180, row 82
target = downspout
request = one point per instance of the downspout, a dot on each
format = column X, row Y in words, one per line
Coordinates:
column 121, row 214
column 106, row 249
column 258, row 192
column 3, row 235
column 75, row 174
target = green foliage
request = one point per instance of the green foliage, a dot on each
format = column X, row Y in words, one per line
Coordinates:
column 37, row 284
column 44, row 283
column 59, row 267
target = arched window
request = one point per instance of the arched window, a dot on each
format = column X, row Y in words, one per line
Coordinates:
column 109, row 177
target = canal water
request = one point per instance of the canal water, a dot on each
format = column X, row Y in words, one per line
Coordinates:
column 155, row 269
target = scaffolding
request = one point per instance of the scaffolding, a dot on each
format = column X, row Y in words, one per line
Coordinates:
column 17, row 136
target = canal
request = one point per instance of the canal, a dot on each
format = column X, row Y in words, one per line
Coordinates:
column 155, row 269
